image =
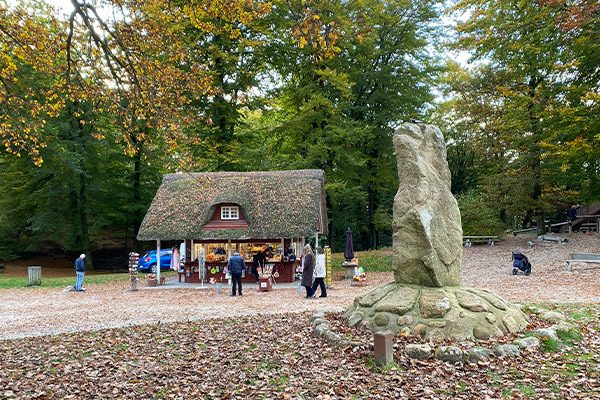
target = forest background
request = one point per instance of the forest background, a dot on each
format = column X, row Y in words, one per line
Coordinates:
column 102, row 98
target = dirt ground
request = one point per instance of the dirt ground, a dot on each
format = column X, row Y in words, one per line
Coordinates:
column 43, row 311
column 550, row 281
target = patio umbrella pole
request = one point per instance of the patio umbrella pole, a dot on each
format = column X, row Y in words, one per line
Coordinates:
column 158, row 262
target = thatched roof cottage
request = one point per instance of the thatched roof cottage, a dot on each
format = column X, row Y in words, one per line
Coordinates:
column 240, row 211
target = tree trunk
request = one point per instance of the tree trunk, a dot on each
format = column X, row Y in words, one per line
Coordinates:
column 83, row 214
column 535, row 155
column 372, row 229
column 137, row 190
column 82, row 240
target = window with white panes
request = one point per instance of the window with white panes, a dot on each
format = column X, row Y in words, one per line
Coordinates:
column 230, row 212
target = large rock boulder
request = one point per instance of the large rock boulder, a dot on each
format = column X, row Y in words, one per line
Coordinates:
column 436, row 314
column 427, row 227
column 425, row 298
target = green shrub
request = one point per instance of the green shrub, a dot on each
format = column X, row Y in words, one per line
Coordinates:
column 569, row 337
column 479, row 215
column 549, row 345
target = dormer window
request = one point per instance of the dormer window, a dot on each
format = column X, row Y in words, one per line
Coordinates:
column 230, row 212
column 227, row 216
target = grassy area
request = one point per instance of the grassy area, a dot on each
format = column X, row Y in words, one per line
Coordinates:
column 371, row 261
column 13, row 282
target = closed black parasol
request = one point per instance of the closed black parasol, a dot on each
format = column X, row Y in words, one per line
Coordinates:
column 349, row 249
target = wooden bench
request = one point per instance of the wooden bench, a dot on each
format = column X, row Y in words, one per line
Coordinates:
column 528, row 230
column 556, row 239
column 583, row 258
column 588, row 227
column 469, row 240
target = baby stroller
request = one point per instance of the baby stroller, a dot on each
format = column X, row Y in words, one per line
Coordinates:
column 520, row 263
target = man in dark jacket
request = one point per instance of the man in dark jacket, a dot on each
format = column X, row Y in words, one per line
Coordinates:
column 236, row 266
column 572, row 214
column 80, row 272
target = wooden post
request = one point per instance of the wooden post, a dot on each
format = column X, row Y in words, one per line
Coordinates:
column 188, row 254
column 34, row 274
column 158, row 262
column 316, row 242
column 192, row 251
column 383, row 347
column 229, row 254
column 598, row 225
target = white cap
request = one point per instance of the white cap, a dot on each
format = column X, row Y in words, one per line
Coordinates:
column 82, row 256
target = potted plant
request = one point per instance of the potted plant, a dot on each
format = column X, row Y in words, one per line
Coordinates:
column 217, row 282
column 151, row 279
column 360, row 278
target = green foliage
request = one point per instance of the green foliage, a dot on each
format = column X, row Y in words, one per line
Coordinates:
column 549, row 345
column 569, row 337
column 582, row 315
column 479, row 215
column 522, row 122
column 461, row 387
column 526, row 390
column 340, row 95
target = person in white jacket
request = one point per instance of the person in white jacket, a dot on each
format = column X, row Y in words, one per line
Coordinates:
column 320, row 274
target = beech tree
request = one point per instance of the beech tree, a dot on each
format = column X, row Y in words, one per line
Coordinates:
column 523, row 106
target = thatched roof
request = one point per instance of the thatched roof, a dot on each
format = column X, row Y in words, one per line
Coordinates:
column 277, row 204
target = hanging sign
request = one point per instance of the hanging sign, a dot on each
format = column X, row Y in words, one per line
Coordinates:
column 328, row 266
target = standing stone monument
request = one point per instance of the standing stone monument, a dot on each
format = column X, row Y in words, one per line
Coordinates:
column 426, row 298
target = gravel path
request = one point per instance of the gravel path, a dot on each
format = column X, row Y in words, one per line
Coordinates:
column 490, row 268
column 46, row 311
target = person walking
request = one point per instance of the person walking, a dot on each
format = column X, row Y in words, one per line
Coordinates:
column 308, row 267
column 320, row 273
column 79, row 273
column 236, row 266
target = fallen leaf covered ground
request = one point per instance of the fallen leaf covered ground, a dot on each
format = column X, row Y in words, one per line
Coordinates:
column 188, row 343
column 276, row 356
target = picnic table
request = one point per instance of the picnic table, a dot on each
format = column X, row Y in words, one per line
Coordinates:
column 582, row 258
column 490, row 240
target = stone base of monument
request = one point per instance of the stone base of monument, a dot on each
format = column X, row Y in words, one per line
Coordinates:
column 349, row 269
column 452, row 312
